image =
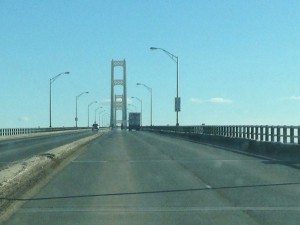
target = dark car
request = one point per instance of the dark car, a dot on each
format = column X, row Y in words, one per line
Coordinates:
column 95, row 127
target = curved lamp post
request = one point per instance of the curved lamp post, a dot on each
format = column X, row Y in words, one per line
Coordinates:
column 51, row 81
column 96, row 113
column 150, row 90
column 103, row 117
column 77, row 97
column 177, row 99
column 133, row 106
column 89, row 111
column 100, row 117
column 140, row 100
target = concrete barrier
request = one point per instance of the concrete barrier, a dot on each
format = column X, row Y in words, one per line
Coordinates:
column 274, row 150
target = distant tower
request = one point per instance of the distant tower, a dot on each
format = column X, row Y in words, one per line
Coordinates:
column 119, row 101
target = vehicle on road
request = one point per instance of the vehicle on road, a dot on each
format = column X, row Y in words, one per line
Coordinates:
column 134, row 121
column 95, row 127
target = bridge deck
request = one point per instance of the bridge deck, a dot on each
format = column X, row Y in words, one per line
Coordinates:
column 143, row 178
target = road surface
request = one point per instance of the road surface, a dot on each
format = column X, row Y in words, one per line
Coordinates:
column 138, row 178
column 12, row 150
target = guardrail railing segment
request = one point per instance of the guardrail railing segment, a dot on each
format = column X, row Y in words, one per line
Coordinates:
column 19, row 131
column 283, row 134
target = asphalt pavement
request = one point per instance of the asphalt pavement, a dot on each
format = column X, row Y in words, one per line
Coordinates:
column 12, row 150
column 137, row 178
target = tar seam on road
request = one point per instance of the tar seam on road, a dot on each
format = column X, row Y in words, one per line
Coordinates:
column 151, row 192
column 157, row 209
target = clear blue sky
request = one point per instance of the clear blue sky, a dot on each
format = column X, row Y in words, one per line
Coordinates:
column 238, row 60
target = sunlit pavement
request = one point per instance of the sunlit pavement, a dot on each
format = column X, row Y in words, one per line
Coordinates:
column 142, row 178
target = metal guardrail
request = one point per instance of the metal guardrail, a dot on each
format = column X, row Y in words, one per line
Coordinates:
column 282, row 134
column 19, row 131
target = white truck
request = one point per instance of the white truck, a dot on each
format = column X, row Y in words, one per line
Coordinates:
column 134, row 121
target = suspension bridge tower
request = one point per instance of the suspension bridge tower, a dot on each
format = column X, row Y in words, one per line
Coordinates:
column 118, row 101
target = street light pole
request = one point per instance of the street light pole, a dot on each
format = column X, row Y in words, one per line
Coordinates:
column 140, row 100
column 177, row 99
column 77, row 97
column 100, row 116
column 150, row 90
column 103, row 117
column 89, row 111
column 96, row 113
column 133, row 106
column 50, row 110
